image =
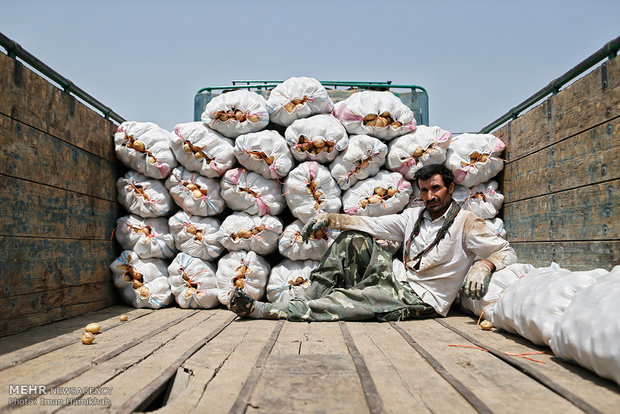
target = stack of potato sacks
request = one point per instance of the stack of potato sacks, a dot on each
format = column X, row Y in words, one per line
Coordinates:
column 221, row 203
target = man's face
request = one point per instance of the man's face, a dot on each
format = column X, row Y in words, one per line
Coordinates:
column 435, row 195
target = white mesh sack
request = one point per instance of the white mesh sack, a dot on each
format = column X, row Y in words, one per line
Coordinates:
column 289, row 279
column 310, row 189
column 193, row 282
column 484, row 200
column 473, row 158
column 362, row 158
column 415, row 200
column 195, row 235
column 143, row 196
column 385, row 193
column 380, row 114
column 293, row 247
column 318, row 138
column 410, row 152
column 243, row 269
column 142, row 283
column 497, row 226
column 148, row 238
column 531, row 307
column 145, row 147
column 235, row 113
column 264, row 152
column 588, row 330
column 297, row 98
column 251, row 193
column 196, row 194
column 500, row 280
column 240, row 231
column 203, row 150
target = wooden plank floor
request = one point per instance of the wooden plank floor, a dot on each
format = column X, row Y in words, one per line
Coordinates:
column 177, row 360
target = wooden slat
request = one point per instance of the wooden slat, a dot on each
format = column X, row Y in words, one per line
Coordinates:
column 39, row 341
column 33, row 210
column 30, row 99
column 222, row 391
column 41, row 302
column 323, row 338
column 195, row 374
column 309, row 383
column 578, row 107
column 597, row 393
column 570, row 255
column 144, row 396
column 403, row 379
column 584, row 159
column 587, row 213
column 27, row 153
column 61, row 365
column 500, row 387
column 33, row 265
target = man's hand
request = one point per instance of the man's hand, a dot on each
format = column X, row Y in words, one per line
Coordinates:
column 315, row 223
column 477, row 280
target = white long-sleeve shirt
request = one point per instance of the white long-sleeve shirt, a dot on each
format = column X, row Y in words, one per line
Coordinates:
column 439, row 275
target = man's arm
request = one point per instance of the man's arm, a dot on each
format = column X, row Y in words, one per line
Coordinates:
column 390, row 227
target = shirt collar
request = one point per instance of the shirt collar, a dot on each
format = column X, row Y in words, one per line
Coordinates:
column 427, row 216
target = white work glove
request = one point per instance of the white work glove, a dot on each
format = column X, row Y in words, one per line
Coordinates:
column 318, row 222
column 477, row 280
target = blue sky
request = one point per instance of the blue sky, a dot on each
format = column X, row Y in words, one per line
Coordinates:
column 146, row 59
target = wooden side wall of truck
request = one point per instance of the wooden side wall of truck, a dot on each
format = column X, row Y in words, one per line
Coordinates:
column 561, row 181
column 58, row 203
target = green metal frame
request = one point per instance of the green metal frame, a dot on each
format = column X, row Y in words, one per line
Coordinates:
column 14, row 50
column 609, row 50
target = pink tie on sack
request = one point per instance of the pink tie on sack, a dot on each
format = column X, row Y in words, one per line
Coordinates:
column 313, row 168
column 499, row 146
column 459, row 175
column 344, row 114
column 406, row 166
column 403, row 184
column 352, row 210
column 234, row 175
column 264, row 209
column 164, row 169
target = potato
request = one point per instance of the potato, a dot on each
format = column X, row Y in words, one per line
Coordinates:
column 196, row 193
column 138, row 145
column 191, row 186
column 136, row 284
column 88, row 338
column 187, row 147
column 380, row 191
column 370, row 117
column 256, row 155
column 191, row 229
column 199, row 155
column 319, row 143
column 419, row 151
column 124, row 317
column 290, row 107
column 240, row 283
column 486, row 325
column 152, row 160
column 144, row 291
column 364, row 202
column 396, row 125
column 391, row 191
column 374, row 199
column 240, row 271
column 224, row 117
column 93, row 328
column 253, row 118
column 239, row 115
column 199, row 235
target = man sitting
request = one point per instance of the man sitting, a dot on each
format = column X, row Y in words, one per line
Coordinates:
column 356, row 279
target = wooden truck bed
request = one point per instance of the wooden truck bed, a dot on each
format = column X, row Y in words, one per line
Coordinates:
column 179, row 360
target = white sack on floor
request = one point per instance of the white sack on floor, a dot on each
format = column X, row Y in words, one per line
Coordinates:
column 588, row 332
column 195, row 235
column 500, row 280
column 145, row 147
column 484, row 200
column 148, row 238
column 531, row 306
column 265, row 152
column 193, row 282
column 385, row 193
column 194, row 193
column 310, row 189
column 297, row 98
column 142, row 283
column 497, row 225
column 362, row 158
column 293, row 247
column 240, row 231
column 473, row 158
column 243, row 269
column 410, row 152
column 235, row 113
column 318, row 138
column 289, row 279
column 251, row 193
column 379, row 114
column 143, row 196
column 203, row 150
